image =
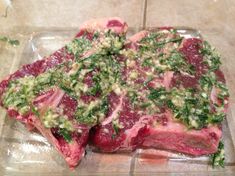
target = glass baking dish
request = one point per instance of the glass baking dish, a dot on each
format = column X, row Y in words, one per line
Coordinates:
column 23, row 152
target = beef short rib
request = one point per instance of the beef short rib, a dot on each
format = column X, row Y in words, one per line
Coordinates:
column 153, row 90
column 161, row 72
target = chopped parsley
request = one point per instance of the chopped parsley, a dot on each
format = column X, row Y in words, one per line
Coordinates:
column 133, row 97
column 176, row 62
column 112, row 43
column 212, row 57
column 156, row 40
column 179, row 39
column 147, row 62
column 158, row 96
column 116, row 128
column 12, row 42
column 217, row 159
column 93, row 112
column 192, row 108
column 78, row 46
column 19, row 94
column 52, row 119
column 66, row 134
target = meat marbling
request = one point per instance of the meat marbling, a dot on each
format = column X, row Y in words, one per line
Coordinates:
column 155, row 69
column 55, row 97
column 160, row 130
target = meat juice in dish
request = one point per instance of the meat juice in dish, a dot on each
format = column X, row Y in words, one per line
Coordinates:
column 152, row 90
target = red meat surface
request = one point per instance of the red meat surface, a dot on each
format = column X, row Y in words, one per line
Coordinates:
column 137, row 128
column 160, row 131
column 74, row 150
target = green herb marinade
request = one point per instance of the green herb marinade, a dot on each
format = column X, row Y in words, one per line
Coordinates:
column 157, row 54
column 217, row 159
